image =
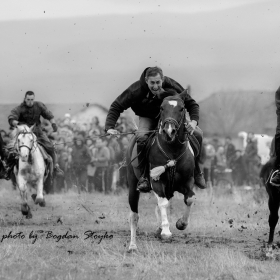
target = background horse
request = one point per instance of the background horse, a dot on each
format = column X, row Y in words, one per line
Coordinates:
column 31, row 168
column 171, row 161
column 273, row 197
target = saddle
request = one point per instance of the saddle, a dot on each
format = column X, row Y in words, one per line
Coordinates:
column 48, row 160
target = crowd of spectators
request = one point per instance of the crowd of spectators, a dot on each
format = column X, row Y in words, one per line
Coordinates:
column 90, row 160
column 222, row 157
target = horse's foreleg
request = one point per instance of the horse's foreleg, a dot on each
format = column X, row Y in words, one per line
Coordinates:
column 157, row 213
column 133, row 220
column 133, row 199
column 183, row 222
column 163, row 205
column 25, row 209
column 273, row 204
column 39, row 197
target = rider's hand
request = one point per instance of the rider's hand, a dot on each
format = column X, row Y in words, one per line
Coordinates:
column 190, row 126
column 113, row 132
column 14, row 123
column 54, row 126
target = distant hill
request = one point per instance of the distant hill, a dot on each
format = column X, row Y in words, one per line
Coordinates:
column 227, row 113
column 221, row 114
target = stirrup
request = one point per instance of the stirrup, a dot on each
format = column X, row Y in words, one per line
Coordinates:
column 273, row 175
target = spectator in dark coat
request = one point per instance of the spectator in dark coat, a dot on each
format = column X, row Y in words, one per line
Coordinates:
column 229, row 150
column 238, row 168
column 80, row 160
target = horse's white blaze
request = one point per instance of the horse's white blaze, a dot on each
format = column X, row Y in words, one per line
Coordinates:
column 24, row 152
column 133, row 220
column 173, row 103
column 169, row 130
column 163, row 204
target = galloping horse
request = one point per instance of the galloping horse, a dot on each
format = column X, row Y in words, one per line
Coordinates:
column 273, row 196
column 31, row 168
column 171, row 162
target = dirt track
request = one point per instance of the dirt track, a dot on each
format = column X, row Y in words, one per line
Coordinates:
column 234, row 223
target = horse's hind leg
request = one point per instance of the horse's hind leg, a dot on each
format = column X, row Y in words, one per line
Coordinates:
column 133, row 199
column 273, row 204
column 183, row 222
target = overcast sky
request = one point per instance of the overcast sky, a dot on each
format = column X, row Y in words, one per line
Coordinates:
column 90, row 51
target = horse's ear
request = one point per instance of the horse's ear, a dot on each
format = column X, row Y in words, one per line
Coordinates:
column 32, row 127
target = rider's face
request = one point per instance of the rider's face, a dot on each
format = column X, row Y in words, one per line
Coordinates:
column 29, row 100
column 155, row 84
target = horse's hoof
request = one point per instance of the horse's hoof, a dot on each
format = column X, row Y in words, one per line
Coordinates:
column 181, row 225
column 43, row 203
column 39, row 200
column 29, row 216
column 34, row 196
column 132, row 249
column 25, row 209
column 158, row 233
column 166, row 236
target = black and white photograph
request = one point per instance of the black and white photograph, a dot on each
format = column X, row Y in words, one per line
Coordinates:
column 140, row 139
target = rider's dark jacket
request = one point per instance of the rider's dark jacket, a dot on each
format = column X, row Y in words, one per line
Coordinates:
column 145, row 104
column 30, row 115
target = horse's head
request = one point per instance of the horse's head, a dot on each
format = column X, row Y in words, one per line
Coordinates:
column 25, row 139
column 172, row 116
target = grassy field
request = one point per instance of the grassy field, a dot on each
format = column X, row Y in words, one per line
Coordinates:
column 224, row 240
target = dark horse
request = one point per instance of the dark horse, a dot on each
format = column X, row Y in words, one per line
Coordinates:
column 2, row 156
column 171, row 164
column 273, row 196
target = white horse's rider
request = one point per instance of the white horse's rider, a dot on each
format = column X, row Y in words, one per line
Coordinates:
column 29, row 113
column 145, row 97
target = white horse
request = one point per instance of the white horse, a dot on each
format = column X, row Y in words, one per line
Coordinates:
column 31, row 168
column 264, row 143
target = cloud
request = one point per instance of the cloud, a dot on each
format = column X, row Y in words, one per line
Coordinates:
column 43, row 9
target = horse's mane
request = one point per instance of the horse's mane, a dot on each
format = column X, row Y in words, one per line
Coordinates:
column 10, row 146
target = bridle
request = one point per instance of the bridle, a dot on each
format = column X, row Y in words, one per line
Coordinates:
column 171, row 120
column 25, row 146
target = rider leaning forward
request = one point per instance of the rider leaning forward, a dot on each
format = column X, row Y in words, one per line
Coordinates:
column 145, row 97
column 29, row 113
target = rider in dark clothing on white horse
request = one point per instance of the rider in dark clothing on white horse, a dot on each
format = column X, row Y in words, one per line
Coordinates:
column 145, row 97
column 275, row 180
column 29, row 113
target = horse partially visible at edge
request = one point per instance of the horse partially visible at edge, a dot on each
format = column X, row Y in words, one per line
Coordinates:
column 171, row 164
column 30, row 171
column 266, row 173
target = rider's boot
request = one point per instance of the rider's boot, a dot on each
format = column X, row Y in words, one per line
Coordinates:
column 143, row 183
column 275, row 178
column 198, row 176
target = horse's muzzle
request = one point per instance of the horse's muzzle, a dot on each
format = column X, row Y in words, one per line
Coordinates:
column 169, row 131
